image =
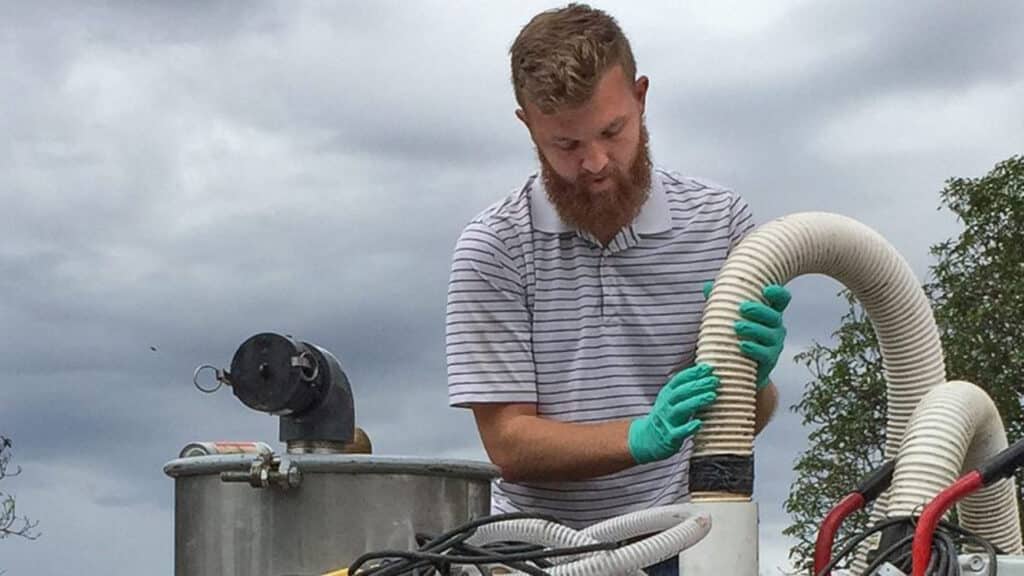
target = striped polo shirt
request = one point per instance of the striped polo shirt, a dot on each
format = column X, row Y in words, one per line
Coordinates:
column 541, row 313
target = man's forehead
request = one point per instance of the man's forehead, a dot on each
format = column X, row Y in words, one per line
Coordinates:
column 585, row 120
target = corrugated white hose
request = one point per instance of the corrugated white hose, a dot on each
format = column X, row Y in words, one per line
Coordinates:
column 639, row 523
column 775, row 253
column 955, row 428
column 633, row 557
column 864, row 262
column 535, row 531
column 678, row 529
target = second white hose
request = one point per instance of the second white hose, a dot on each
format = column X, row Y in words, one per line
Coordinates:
column 954, row 429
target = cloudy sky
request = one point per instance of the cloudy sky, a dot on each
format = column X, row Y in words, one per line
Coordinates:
column 183, row 175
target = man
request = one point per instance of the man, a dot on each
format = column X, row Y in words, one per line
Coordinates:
column 572, row 301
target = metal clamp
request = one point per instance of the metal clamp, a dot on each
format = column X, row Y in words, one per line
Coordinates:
column 267, row 471
column 222, row 376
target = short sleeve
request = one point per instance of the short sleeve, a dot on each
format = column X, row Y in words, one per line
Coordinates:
column 488, row 334
column 741, row 221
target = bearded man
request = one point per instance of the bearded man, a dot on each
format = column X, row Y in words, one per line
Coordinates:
column 574, row 303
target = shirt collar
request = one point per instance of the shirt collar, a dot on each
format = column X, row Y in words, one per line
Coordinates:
column 654, row 216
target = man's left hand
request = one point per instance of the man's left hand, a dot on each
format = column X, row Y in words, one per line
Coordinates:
column 761, row 332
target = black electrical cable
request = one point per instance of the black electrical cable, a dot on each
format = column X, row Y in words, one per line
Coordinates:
column 884, row 556
column 521, row 566
column 444, row 560
column 466, row 530
column 447, row 540
column 948, row 564
column 852, row 542
column 943, row 562
column 933, row 562
column 432, row 566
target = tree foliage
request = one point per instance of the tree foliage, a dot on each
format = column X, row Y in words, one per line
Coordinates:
column 844, row 404
column 977, row 294
column 10, row 523
column 978, row 287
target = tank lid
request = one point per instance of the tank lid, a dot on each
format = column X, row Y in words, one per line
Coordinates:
column 338, row 464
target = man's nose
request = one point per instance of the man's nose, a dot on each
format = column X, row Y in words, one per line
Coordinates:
column 595, row 159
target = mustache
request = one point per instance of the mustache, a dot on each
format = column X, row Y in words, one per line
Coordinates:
column 588, row 177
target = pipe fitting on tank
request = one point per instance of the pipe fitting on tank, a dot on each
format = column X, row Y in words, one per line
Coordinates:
column 267, row 471
column 301, row 383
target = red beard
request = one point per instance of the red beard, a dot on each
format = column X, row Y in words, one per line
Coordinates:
column 601, row 213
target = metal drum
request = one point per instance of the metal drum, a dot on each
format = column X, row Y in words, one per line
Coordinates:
column 306, row 514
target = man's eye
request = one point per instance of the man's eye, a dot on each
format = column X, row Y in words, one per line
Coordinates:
column 567, row 145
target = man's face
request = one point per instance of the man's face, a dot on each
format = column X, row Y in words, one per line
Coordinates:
column 594, row 159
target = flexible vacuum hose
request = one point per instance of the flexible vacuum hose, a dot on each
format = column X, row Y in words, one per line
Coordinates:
column 639, row 523
column 673, row 530
column 954, row 429
column 635, row 556
column 791, row 246
column 722, row 466
column 535, row 531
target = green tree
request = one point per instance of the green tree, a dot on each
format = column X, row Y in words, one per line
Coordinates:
column 844, row 403
column 978, row 287
column 977, row 293
column 10, row 523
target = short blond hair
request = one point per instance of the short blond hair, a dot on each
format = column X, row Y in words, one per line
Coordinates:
column 560, row 55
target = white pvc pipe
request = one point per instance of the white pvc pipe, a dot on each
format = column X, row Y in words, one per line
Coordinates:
column 731, row 548
column 955, row 428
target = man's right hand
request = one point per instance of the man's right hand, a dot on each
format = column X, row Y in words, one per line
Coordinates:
column 661, row 433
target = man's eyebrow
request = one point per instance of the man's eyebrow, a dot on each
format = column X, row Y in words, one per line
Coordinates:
column 617, row 123
column 612, row 126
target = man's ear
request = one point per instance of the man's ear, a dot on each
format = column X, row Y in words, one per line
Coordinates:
column 521, row 114
column 640, row 91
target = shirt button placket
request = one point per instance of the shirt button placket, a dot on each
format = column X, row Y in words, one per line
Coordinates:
column 607, row 289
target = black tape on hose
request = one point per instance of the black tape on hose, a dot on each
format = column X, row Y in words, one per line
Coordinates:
column 722, row 473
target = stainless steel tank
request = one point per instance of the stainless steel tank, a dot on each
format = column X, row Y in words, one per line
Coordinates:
column 292, row 514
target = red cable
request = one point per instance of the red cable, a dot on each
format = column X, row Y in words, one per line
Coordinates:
column 934, row 512
column 830, row 526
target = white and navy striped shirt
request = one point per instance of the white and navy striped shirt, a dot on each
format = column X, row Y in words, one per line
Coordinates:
column 539, row 313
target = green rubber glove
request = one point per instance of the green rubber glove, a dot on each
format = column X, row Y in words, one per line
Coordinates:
column 661, row 433
column 761, row 332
